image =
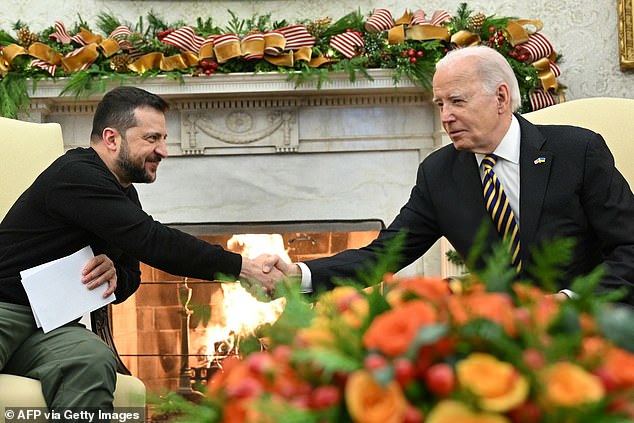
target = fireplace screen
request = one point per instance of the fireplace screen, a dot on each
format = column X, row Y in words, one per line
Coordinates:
column 148, row 328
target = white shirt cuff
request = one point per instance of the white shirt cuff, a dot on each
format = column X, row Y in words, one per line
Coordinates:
column 307, row 283
column 568, row 293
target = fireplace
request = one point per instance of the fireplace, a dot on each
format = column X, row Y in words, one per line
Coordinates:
column 148, row 327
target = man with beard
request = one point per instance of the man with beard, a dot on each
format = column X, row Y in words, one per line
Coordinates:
column 87, row 198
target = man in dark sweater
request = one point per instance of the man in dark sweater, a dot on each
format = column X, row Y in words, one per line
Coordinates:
column 86, row 198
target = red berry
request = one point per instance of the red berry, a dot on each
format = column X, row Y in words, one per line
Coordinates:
column 411, row 52
column 534, row 359
column 492, row 39
column 403, row 371
column 440, row 379
column 412, row 59
column 419, row 53
column 607, row 380
column 501, row 38
column 499, row 32
column 325, row 396
column 413, row 415
column 491, row 29
column 527, row 412
column 374, row 362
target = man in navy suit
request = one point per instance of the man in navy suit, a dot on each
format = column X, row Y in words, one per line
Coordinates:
column 560, row 182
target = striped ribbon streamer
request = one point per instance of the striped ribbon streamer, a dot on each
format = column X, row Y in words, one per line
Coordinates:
column 44, row 65
column 536, row 47
column 439, row 17
column 419, row 18
column 347, row 43
column 297, row 36
column 184, row 39
column 62, row 35
column 540, row 99
column 380, row 20
column 500, row 210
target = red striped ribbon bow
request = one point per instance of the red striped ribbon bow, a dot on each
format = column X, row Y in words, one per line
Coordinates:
column 347, row 43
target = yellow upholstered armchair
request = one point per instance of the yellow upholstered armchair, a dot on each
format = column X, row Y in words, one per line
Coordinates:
column 26, row 149
column 613, row 118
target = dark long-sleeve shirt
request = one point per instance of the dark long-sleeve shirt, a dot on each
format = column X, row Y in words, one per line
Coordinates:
column 77, row 202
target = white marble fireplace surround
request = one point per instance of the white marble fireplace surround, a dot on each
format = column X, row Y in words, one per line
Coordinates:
column 256, row 148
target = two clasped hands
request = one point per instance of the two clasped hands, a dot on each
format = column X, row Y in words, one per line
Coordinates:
column 267, row 270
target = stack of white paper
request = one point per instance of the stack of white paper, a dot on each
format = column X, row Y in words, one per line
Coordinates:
column 57, row 294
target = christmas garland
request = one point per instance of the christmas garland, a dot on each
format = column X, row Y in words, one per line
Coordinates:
column 307, row 51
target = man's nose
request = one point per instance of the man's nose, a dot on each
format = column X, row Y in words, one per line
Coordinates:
column 161, row 148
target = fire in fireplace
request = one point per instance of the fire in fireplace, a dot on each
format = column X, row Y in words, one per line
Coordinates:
column 148, row 327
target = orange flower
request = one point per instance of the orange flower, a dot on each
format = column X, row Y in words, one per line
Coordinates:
column 496, row 307
column 569, row 385
column 432, row 289
column 369, row 402
column 393, row 331
column 450, row 411
column 318, row 334
column 620, row 364
column 498, row 385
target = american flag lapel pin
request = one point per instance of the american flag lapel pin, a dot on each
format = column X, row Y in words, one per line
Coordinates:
column 540, row 160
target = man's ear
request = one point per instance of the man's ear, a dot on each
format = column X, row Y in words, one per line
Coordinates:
column 111, row 138
column 503, row 96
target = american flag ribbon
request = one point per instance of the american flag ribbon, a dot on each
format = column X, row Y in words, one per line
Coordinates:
column 540, row 99
column 297, row 36
column 184, row 39
column 380, row 20
column 62, row 35
column 536, row 47
column 347, row 43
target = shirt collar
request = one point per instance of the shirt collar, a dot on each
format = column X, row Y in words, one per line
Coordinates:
column 509, row 147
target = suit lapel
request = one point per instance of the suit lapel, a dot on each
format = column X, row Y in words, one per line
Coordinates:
column 535, row 167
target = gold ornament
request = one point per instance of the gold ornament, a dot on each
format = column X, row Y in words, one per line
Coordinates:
column 120, row 62
column 26, row 37
column 476, row 21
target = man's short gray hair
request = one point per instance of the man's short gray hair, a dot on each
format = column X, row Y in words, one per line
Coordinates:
column 492, row 67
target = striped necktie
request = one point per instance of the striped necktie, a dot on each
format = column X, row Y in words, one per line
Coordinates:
column 500, row 210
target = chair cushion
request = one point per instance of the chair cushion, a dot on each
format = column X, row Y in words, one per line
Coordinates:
column 18, row 391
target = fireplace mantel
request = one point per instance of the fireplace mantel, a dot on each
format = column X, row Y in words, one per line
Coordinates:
column 244, row 113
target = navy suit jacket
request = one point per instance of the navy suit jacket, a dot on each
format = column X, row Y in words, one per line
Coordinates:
column 573, row 190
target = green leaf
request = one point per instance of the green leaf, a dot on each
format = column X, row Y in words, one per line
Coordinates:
column 616, row 324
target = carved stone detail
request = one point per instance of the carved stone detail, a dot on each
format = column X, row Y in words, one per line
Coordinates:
column 205, row 132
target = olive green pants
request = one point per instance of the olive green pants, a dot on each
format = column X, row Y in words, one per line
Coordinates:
column 76, row 369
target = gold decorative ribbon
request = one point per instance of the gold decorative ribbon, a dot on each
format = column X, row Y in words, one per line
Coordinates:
column 545, row 73
column 518, row 31
column 159, row 61
column 465, row 38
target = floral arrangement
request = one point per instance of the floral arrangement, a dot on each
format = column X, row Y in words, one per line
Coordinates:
column 481, row 350
column 306, row 51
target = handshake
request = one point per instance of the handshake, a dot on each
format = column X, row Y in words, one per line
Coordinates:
column 268, row 270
